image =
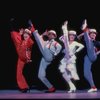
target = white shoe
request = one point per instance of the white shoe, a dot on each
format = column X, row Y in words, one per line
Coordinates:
column 92, row 90
column 84, row 25
column 71, row 90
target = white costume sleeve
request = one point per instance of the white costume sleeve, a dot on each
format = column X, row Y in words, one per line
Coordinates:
column 61, row 38
column 80, row 46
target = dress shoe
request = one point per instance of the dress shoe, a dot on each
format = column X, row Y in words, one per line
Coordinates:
column 71, row 91
column 92, row 90
column 25, row 90
column 50, row 90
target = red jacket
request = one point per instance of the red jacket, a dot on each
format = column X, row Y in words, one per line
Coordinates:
column 23, row 47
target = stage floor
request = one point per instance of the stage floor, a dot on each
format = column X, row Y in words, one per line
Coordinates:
column 37, row 94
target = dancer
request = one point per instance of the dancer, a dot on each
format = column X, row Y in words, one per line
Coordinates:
column 91, row 56
column 68, row 63
column 49, row 50
column 23, row 43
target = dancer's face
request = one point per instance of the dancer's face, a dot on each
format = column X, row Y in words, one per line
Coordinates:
column 26, row 36
column 51, row 36
column 71, row 37
column 92, row 36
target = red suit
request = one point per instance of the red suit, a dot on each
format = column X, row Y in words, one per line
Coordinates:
column 23, row 48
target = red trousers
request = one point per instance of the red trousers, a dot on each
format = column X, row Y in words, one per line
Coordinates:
column 22, row 84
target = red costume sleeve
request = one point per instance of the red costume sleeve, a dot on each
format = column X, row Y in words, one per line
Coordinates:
column 16, row 38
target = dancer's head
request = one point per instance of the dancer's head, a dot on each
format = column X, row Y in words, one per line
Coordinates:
column 52, row 34
column 21, row 31
column 72, row 35
column 92, row 33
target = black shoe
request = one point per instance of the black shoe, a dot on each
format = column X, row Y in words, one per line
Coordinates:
column 25, row 90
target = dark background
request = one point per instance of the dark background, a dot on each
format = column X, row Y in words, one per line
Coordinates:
column 45, row 14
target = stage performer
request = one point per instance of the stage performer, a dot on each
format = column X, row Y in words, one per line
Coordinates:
column 92, row 52
column 23, row 43
column 68, row 63
column 49, row 49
